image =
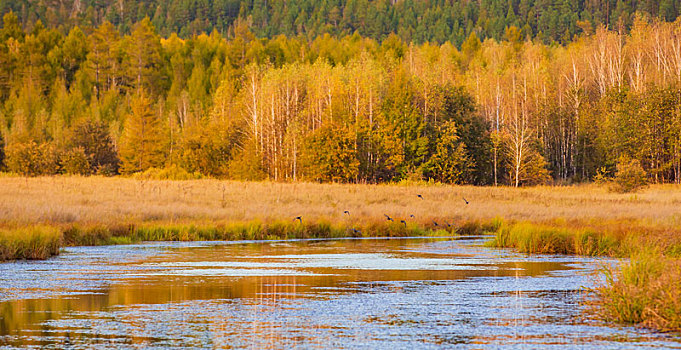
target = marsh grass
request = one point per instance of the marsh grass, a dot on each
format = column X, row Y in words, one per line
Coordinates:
column 110, row 201
column 646, row 291
column 583, row 219
column 250, row 230
column 34, row 242
column 643, row 290
column 534, row 238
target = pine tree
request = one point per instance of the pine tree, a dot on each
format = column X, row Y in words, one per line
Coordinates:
column 143, row 144
column 144, row 64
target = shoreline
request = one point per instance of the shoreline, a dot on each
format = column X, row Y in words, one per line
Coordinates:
column 38, row 216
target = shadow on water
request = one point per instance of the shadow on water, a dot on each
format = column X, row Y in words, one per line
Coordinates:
column 316, row 293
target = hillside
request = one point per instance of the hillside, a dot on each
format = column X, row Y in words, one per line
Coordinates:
column 412, row 20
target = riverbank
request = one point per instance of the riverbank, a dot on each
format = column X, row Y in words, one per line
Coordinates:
column 39, row 215
column 645, row 290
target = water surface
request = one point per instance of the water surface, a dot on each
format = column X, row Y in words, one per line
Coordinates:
column 351, row 293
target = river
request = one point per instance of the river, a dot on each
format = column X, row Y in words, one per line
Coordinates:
column 342, row 293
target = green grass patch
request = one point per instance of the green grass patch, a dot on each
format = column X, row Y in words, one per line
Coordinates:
column 544, row 239
column 34, row 242
column 82, row 235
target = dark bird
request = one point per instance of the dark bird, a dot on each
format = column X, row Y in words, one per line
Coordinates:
column 435, row 223
column 299, row 218
column 420, row 196
column 356, row 230
column 346, row 212
column 412, row 216
column 388, row 218
column 404, row 222
column 448, row 224
column 464, row 199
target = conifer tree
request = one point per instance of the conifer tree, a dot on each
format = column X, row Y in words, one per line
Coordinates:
column 143, row 144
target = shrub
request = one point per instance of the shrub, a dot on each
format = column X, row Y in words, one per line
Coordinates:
column 172, row 172
column 32, row 159
column 329, row 154
column 630, row 176
column 601, row 176
column 95, row 141
column 75, row 162
column 246, row 164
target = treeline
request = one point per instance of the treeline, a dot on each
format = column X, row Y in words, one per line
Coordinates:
column 514, row 112
column 417, row 21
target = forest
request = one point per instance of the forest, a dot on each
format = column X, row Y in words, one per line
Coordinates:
column 513, row 110
column 417, row 21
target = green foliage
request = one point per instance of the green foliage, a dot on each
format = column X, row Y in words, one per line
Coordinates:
column 92, row 138
column 34, row 242
column 329, row 154
column 208, row 149
column 246, row 164
column 630, row 176
column 75, row 162
column 473, row 131
column 411, row 20
column 259, row 105
column 545, row 239
column 32, row 159
column 450, row 162
column 143, row 145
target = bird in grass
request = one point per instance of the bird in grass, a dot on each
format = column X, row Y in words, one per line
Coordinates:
column 435, row 223
column 464, row 199
column 412, row 216
column 299, row 218
column 448, row 224
column 356, row 231
column 420, row 196
column 346, row 212
column 404, row 222
column 388, row 218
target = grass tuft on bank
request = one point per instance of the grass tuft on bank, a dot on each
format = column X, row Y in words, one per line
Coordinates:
column 534, row 238
column 31, row 243
column 42, row 242
column 645, row 291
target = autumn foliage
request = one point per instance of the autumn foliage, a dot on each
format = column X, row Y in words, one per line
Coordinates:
column 102, row 100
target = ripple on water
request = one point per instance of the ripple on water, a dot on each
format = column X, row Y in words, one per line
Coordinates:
column 420, row 293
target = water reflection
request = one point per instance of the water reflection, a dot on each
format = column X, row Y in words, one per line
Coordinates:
column 316, row 294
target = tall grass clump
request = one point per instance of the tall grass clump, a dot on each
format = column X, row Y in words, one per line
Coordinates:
column 544, row 239
column 646, row 290
column 93, row 235
column 35, row 242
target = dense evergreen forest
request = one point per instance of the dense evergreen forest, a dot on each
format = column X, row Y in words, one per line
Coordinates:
column 417, row 21
column 348, row 108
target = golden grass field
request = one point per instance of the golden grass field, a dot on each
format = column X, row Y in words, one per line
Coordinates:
column 88, row 200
